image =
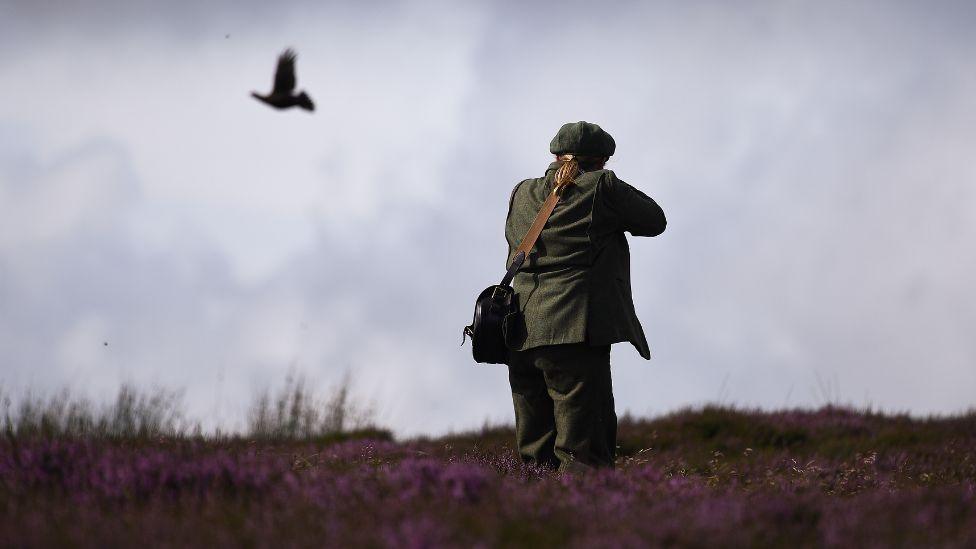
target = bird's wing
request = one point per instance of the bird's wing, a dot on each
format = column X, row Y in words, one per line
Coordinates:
column 284, row 81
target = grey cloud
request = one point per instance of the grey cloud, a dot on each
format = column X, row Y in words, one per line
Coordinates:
column 813, row 163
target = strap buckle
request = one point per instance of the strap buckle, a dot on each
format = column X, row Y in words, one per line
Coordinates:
column 513, row 268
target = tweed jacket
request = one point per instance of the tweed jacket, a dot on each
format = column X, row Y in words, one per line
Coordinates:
column 574, row 286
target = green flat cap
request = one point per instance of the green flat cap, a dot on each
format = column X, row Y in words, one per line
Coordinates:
column 582, row 138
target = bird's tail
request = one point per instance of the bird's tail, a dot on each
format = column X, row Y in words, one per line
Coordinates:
column 305, row 102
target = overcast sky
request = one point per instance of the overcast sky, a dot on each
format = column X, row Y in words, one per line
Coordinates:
column 814, row 159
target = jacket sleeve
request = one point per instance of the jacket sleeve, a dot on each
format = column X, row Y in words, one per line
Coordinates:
column 634, row 211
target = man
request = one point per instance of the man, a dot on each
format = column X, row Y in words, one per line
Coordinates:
column 575, row 297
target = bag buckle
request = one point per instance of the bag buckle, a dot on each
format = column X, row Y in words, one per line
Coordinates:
column 499, row 293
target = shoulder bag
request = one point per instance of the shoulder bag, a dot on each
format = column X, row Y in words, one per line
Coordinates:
column 496, row 311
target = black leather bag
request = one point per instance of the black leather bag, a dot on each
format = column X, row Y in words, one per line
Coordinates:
column 494, row 310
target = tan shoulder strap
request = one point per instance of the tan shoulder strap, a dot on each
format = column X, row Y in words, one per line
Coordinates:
column 528, row 241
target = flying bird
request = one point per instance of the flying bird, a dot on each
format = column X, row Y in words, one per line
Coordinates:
column 283, row 96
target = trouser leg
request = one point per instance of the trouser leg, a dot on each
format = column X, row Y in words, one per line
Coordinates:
column 535, row 429
column 609, row 414
column 577, row 377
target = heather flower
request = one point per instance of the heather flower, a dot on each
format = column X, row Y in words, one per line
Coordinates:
column 830, row 478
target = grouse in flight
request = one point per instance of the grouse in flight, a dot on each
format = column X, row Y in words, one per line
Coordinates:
column 283, row 95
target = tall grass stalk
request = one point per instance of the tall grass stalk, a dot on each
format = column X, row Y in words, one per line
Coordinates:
column 295, row 412
column 292, row 413
column 133, row 414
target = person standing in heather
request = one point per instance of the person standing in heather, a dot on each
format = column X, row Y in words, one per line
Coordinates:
column 574, row 294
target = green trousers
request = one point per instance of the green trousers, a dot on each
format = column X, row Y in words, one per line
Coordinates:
column 564, row 414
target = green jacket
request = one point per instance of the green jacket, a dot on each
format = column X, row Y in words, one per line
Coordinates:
column 575, row 285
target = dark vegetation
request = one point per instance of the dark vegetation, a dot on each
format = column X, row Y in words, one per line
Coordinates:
column 292, row 413
column 305, row 473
